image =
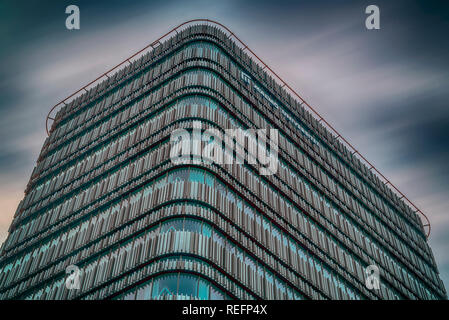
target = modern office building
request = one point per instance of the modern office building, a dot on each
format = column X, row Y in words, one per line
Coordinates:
column 105, row 198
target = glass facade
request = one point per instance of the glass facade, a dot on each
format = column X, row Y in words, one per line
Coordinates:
column 105, row 197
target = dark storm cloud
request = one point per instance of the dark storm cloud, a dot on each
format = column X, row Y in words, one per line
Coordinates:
column 387, row 90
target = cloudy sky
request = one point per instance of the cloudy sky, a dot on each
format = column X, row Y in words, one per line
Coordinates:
column 386, row 91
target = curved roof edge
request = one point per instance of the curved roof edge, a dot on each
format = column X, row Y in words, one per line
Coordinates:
column 150, row 47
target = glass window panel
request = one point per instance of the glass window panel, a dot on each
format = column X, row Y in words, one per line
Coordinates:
column 192, row 225
column 207, row 230
column 188, row 285
column 196, row 175
column 216, row 295
column 172, row 225
column 166, row 285
column 203, row 289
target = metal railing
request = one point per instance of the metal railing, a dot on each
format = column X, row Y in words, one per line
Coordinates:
column 154, row 44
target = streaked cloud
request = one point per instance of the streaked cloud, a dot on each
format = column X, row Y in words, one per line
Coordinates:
column 386, row 91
